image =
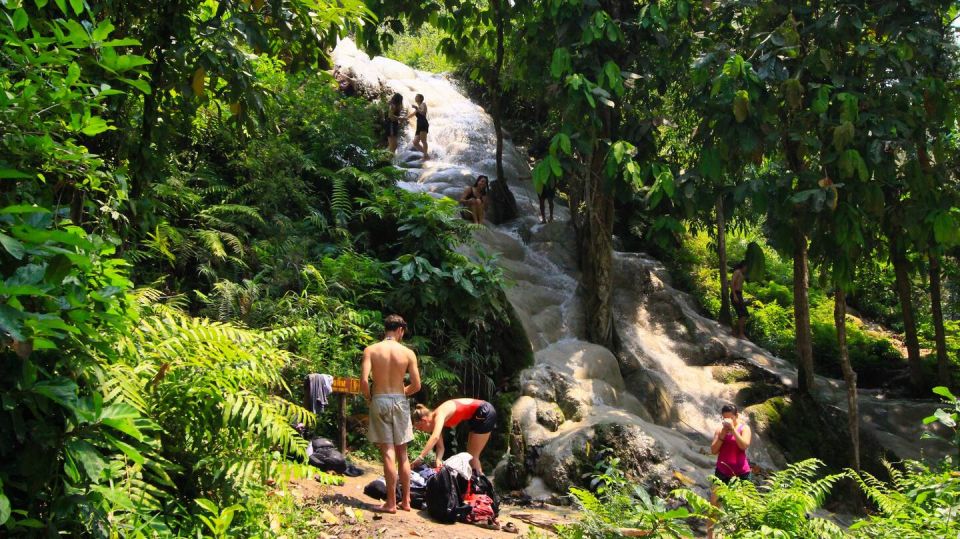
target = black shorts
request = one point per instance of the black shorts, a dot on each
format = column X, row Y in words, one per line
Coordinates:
column 484, row 420
column 423, row 126
column 739, row 306
column 549, row 191
column 393, row 128
column 727, row 478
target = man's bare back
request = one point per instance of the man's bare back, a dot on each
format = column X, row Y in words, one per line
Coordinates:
column 389, row 362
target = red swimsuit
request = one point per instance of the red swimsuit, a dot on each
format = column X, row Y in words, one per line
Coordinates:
column 463, row 412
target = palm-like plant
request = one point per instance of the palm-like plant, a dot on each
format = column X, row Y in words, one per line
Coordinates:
column 782, row 506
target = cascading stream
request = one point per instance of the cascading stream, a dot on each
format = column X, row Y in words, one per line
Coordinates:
column 664, row 400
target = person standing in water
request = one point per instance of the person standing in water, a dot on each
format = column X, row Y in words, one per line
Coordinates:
column 475, row 198
column 423, row 126
column 736, row 299
column 481, row 414
column 394, row 115
column 390, row 427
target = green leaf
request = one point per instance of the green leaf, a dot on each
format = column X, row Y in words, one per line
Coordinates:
column 62, row 391
column 77, row 6
column 945, row 232
column 11, row 174
column 88, row 457
column 4, row 508
column 555, row 166
column 944, row 392
column 13, row 246
column 139, row 84
column 560, row 64
column 127, row 449
column 11, row 322
column 41, row 3
column 208, row 506
column 20, row 19
column 96, row 125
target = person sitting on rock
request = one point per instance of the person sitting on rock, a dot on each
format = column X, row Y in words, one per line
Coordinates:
column 475, row 198
column 482, row 418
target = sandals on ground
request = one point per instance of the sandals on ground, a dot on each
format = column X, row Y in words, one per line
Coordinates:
column 510, row 527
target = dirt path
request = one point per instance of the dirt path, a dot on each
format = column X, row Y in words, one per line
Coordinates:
column 346, row 512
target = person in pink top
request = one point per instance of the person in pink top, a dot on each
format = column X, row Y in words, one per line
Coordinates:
column 730, row 443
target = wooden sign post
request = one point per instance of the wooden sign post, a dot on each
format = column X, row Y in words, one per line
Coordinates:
column 343, row 387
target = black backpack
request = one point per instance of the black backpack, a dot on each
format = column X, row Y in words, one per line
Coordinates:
column 444, row 497
column 326, row 457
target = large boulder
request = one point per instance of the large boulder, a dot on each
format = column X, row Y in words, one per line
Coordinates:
column 567, row 459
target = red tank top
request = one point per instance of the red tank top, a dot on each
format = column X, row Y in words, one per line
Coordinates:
column 731, row 460
column 463, row 412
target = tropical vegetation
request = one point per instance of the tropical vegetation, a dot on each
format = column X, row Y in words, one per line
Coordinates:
column 192, row 218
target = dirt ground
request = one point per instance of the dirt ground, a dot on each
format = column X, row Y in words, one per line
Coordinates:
column 346, row 512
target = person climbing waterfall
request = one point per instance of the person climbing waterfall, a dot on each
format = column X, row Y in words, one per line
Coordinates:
column 475, row 198
column 730, row 443
column 394, row 115
column 423, row 126
column 481, row 415
column 736, row 299
column 546, row 193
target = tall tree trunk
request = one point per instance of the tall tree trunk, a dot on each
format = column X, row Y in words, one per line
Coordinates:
column 597, row 256
column 899, row 260
column 849, row 375
column 801, row 313
column 936, row 302
column 504, row 204
column 725, row 317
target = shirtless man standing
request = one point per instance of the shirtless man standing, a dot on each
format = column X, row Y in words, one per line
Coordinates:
column 390, row 426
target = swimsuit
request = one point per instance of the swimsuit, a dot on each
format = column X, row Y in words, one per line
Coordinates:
column 739, row 305
column 731, row 460
column 482, row 416
column 423, row 126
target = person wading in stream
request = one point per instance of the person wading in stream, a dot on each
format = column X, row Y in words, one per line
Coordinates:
column 423, row 126
column 481, row 414
column 394, row 115
column 475, row 198
column 390, row 428
column 730, row 443
column 736, row 299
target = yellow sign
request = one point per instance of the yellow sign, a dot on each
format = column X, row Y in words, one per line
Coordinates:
column 346, row 385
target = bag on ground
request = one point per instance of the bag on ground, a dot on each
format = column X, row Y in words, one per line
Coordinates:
column 443, row 497
column 324, row 455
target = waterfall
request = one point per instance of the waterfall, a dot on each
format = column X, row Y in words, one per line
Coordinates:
column 661, row 395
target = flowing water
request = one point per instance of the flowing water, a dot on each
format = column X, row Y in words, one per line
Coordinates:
column 659, row 383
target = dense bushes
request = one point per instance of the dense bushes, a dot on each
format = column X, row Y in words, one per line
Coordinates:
column 771, row 314
column 167, row 410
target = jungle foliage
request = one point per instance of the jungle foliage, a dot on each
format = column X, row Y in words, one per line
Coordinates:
column 189, row 224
